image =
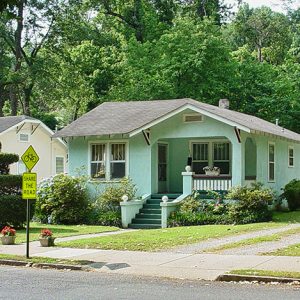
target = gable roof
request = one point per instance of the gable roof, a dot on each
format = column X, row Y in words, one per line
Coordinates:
column 7, row 122
column 133, row 116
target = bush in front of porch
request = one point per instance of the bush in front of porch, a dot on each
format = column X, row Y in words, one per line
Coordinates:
column 250, row 205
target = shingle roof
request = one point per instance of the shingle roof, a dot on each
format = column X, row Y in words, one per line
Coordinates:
column 125, row 117
column 7, row 122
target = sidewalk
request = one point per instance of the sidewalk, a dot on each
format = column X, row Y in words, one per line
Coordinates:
column 162, row 264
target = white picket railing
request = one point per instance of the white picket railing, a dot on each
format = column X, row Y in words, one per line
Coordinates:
column 205, row 183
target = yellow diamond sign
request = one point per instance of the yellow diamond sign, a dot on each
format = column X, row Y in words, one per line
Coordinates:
column 30, row 158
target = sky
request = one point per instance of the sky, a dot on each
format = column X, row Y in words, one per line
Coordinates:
column 276, row 5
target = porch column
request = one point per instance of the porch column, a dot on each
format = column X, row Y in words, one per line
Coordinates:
column 187, row 183
column 238, row 163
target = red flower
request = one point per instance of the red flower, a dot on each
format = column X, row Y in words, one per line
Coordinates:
column 46, row 233
column 8, row 231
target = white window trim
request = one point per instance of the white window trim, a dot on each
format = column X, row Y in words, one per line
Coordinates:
column 291, row 148
column 192, row 114
column 19, row 137
column 210, row 143
column 60, row 156
column 108, row 144
column 271, row 180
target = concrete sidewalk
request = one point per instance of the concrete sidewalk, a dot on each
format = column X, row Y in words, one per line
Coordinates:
column 162, row 264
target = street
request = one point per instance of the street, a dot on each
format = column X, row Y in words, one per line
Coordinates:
column 29, row 283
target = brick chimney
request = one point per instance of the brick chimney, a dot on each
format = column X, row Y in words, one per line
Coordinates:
column 224, row 103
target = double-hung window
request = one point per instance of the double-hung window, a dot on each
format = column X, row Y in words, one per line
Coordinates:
column 200, row 157
column 117, row 160
column 59, row 165
column 108, row 160
column 291, row 156
column 271, row 164
column 98, row 160
column 221, row 157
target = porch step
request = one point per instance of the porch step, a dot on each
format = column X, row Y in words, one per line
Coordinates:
column 150, row 211
column 170, row 196
column 146, row 221
column 151, row 206
column 148, row 216
column 144, row 226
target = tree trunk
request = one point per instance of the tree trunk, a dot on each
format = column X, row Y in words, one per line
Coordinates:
column 27, row 95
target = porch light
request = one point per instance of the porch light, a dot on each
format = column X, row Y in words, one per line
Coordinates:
column 124, row 198
column 164, row 199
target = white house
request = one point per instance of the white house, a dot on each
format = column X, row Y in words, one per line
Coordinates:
column 17, row 133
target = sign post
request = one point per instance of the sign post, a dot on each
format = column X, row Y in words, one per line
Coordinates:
column 29, row 185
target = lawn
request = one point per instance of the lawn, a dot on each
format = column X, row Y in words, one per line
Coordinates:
column 60, row 230
column 252, row 272
column 287, row 217
column 160, row 239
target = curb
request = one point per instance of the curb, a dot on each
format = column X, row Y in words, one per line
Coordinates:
column 18, row 263
column 266, row 279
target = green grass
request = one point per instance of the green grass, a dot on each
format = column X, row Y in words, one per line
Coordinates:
column 43, row 260
column 293, row 250
column 256, row 240
column 159, row 239
column 60, row 230
column 287, row 217
column 295, row 275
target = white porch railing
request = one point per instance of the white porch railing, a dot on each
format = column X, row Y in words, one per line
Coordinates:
column 208, row 183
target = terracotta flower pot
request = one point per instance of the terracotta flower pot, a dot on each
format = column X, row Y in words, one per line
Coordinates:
column 47, row 241
column 8, row 239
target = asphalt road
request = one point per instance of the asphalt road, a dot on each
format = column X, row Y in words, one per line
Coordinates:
column 28, row 283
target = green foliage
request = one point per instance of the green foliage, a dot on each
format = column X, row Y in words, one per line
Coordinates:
column 251, row 204
column 291, row 192
column 13, row 210
column 10, row 184
column 106, row 210
column 190, row 205
column 63, row 199
column 5, row 160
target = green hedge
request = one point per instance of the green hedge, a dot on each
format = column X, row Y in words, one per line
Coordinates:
column 5, row 160
column 291, row 192
column 13, row 210
column 10, row 184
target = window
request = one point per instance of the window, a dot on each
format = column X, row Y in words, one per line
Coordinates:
column 271, row 170
column 108, row 160
column 221, row 157
column 59, row 165
column 117, row 161
column 291, row 156
column 212, row 154
column 98, row 160
column 200, row 157
column 24, row 137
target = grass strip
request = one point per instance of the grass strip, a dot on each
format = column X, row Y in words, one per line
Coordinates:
column 60, row 230
column 253, row 272
column 43, row 260
column 253, row 241
column 160, row 239
column 293, row 250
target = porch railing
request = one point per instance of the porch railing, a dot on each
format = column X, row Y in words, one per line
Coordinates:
column 208, row 183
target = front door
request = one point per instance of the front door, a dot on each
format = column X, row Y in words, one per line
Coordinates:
column 162, row 168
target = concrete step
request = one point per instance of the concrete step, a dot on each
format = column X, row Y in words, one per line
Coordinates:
column 151, row 206
column 150, row 211
column 146, row 221
column 144, row 226
column 148, row 216
column 170, row 196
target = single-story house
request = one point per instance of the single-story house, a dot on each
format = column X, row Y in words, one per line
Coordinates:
column 17, row 133
column 152, row 142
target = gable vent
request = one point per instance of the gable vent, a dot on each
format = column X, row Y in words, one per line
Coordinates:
column 192, row 118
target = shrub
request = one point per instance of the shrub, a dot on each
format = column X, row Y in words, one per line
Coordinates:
column 251, row 204
column 5, row 160
column 63, row 199
column 106, row 210
column 13, row 210
column 291, row 192
column 190, row 205
column 10, row 184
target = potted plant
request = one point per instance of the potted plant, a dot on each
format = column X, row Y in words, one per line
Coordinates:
column 8, row 235
column 212, row 171
column 46, row 238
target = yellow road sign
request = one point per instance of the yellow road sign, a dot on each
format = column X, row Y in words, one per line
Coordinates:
column 30, row 158
column 29, row 186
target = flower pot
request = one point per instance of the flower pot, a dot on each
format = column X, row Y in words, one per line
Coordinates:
column 47, row 241
column 8, row 239
column 212, row 173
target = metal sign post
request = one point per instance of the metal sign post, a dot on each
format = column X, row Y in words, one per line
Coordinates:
column 29, row 186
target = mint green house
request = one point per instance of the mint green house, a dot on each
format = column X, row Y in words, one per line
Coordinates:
column 170, row 147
